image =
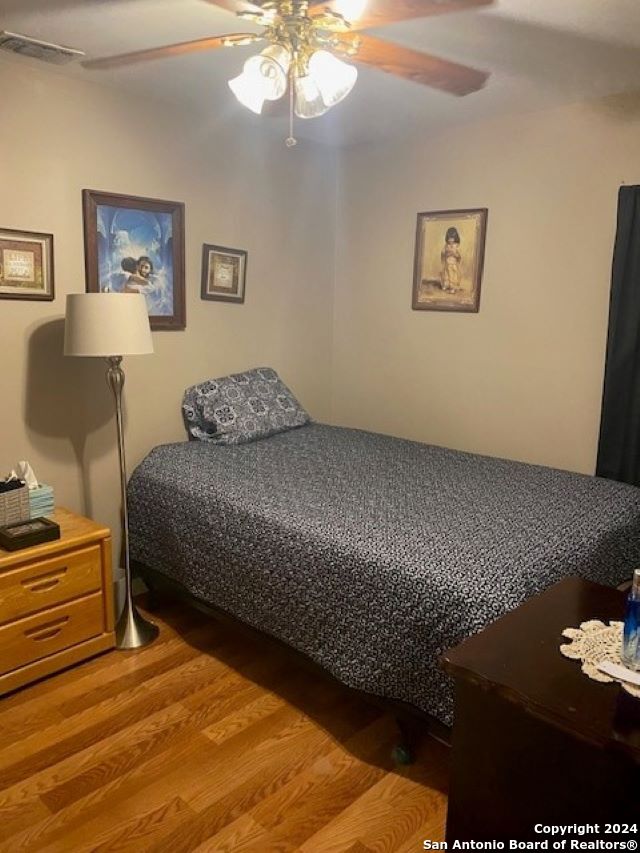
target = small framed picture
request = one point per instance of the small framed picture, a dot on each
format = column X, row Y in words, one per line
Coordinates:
column 26, row 265
column 449, row 260
column 224, row 273
column 136, row 245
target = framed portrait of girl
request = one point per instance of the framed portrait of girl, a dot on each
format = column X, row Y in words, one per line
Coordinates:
column 449, row 260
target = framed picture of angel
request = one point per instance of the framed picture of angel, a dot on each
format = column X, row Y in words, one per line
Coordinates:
column 136, row 245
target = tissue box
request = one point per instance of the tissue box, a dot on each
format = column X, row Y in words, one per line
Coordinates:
column 14, row 506
column 41, row 501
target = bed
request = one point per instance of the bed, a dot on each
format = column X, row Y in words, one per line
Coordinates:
column 371, row 554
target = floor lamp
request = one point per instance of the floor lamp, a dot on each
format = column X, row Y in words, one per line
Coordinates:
column 110, row 326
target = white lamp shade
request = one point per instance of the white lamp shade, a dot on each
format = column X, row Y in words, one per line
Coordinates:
column 264, row 78
column 249, row 90
column 269, row 69
column 309, row 103
column 334, row 78
column 107, row 324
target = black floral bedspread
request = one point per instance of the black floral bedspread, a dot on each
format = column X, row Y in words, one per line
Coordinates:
column 373, row 554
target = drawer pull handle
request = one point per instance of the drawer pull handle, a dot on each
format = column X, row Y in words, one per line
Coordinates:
column 43, row 583
column 48, row 635
column 48, row 630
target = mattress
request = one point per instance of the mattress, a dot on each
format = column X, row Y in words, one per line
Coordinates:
column 372, row 554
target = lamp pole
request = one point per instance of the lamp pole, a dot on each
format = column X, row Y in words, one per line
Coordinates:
column 132, row 629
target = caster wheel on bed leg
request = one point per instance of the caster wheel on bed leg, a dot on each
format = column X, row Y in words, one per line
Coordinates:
column 403, row 752
column 402, row 755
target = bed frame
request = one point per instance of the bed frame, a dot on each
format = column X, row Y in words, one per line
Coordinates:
column 413, row 723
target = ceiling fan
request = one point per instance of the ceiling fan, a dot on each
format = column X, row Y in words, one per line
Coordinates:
column 305, row 40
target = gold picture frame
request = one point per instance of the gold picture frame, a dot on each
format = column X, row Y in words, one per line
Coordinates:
column 224, row 273
column 449, row 260
column 26, row 265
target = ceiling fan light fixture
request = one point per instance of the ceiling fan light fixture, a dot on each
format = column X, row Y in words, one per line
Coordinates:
column 271, row 66
column 334, row 78
column 306, row 41
column 309, row 103
column 249, row 90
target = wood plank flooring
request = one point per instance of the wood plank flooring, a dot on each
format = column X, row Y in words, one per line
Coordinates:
column 208, row 740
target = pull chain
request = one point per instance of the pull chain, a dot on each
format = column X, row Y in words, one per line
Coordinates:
column 290, row 141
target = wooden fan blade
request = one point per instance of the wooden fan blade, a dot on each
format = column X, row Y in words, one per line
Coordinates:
column 419, row 67
column 378, row 13
column 210, row 43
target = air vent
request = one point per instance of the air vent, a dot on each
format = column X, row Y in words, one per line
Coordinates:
column 36, row 49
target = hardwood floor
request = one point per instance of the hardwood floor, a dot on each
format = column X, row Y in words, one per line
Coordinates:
column 208, row 740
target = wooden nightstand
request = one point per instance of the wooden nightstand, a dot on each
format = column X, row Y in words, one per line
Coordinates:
column 56, row 602
column 534, row 740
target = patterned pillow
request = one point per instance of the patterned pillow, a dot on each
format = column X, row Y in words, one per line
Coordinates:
column 242, row 407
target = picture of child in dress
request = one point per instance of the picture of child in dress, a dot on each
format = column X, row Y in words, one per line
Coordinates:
column 451, row 275
column 449, row 259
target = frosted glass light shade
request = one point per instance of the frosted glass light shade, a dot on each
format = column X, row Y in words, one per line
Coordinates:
column 248, row 89
column 107, row 324
column 270, row 67
column 309, row 103
column 334, row 78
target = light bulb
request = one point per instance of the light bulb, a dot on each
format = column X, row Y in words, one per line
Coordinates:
column 309, row 103
column 271, row 66
column 249, row 90
column 351, row 9
column 334, row 78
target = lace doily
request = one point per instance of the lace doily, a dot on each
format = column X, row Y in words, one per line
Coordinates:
column 594, row 642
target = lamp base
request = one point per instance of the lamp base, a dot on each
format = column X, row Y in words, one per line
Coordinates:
column 134, row 631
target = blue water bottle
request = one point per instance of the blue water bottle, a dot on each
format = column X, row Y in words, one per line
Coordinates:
column 631, row 636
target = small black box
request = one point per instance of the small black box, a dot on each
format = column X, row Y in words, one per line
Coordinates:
column 24, row 534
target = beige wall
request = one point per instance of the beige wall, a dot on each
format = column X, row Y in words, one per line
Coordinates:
column 60, row 136
column 523, row 378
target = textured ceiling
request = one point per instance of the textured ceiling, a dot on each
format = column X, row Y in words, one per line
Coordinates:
column 541, row 53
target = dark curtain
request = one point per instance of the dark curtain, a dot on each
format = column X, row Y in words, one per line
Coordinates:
column 619, row 446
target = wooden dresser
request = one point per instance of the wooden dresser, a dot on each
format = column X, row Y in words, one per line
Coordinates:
column 535, row 742
column 56, row 602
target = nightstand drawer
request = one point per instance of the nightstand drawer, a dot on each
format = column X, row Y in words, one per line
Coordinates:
column 37, row 636
column 49, row 582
